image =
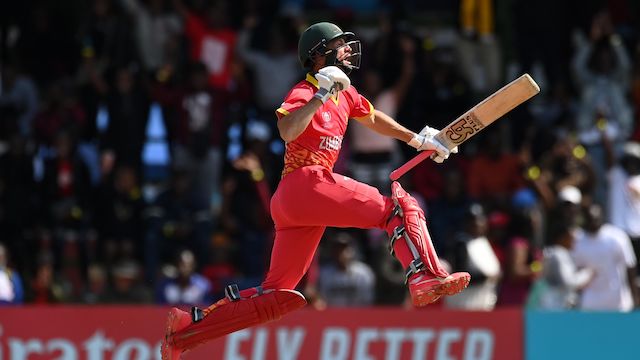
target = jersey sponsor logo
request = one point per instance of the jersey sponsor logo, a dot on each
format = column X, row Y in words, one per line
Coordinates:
column 463, row 129
column 332, row 143
column 326, row 120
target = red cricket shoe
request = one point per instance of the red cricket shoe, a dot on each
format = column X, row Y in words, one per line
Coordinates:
column 176, row 321
column 426, row 288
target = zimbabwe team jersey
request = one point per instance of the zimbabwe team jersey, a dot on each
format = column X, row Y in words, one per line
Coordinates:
column 320, row 142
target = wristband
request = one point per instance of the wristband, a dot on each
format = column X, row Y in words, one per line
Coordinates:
column 322, row 95
column 257, row 175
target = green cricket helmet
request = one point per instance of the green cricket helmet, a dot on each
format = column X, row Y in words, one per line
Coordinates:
column 314, row 41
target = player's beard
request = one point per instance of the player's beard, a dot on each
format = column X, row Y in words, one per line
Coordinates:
column 349, row 62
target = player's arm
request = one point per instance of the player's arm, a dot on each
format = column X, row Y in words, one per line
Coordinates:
column 384, row 124
column 331, row 80
column 293, row 124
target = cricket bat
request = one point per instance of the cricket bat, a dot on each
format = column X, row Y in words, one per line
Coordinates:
column 477, row 118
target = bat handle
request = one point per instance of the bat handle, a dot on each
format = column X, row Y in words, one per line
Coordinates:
column 397, row 173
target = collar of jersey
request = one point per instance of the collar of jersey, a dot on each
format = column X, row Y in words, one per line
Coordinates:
column 314, row 82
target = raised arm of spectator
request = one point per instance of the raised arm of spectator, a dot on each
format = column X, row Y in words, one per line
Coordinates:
column 243, row 48
column 580, row 62
column 407, row 72
column 622, row 72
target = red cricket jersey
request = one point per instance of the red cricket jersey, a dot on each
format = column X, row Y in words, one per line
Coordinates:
column 320, row 142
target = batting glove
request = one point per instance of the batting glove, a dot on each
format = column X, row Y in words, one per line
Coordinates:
column 331, row 80
column 426, row 140
column 430, row 132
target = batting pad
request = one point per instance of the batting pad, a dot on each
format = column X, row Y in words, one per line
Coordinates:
column 238, row 315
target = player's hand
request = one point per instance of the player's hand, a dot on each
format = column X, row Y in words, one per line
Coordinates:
column 331, row 80
column 429, row 132
column 421, row 143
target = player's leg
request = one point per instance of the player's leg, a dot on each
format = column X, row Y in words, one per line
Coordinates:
column 330, row 199
column 411, row 244
column 343, row 202
column 293, row 251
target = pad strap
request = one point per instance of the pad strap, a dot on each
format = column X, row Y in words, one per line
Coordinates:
column 415, row 267
column 232, row 292
column 398, row 232
column 397, row 211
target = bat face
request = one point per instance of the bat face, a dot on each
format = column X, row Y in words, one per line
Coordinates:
column 489, row 110
column 477, row 118
column 462, row 129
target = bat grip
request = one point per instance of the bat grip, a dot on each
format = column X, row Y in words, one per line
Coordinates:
column 397, row 173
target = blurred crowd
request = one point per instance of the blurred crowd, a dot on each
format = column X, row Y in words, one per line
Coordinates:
column 139, row 149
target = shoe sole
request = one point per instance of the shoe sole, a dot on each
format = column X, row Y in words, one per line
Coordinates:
column 170, row 328
column 456, row 284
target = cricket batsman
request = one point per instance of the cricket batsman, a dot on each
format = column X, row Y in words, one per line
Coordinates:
column 312, row 121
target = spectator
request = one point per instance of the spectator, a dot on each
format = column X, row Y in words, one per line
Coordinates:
column 11, row 291
column 602, row 68
column 201, row 125
column 97, row 284
column 63, row 136
column 220, row 269
column 187, row 287
column 125, row 287
column 562, row 279
column 156, row 31
column 18, row 101
column 66, row 190
column 211, row 40
column 479, row 51
column 448, row 209
column 106, row 36
column 246, row 213
column 520, row 260
column 47, row 287
column 606, row 249
column 563, row 162
column 128, row 109
column 344, row 280
column 178, row 218
column 567, row 210
column 119, row 216
column 624, row 192
column 275, row 69
column 474, row 254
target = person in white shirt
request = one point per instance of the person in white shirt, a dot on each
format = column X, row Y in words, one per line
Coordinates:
column 624, row 192
column 562, row 279
column 606, row 249
column 474, row 254
column 11, row 290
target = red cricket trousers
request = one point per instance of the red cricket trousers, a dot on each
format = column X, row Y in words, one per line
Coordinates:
column 307, row 201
